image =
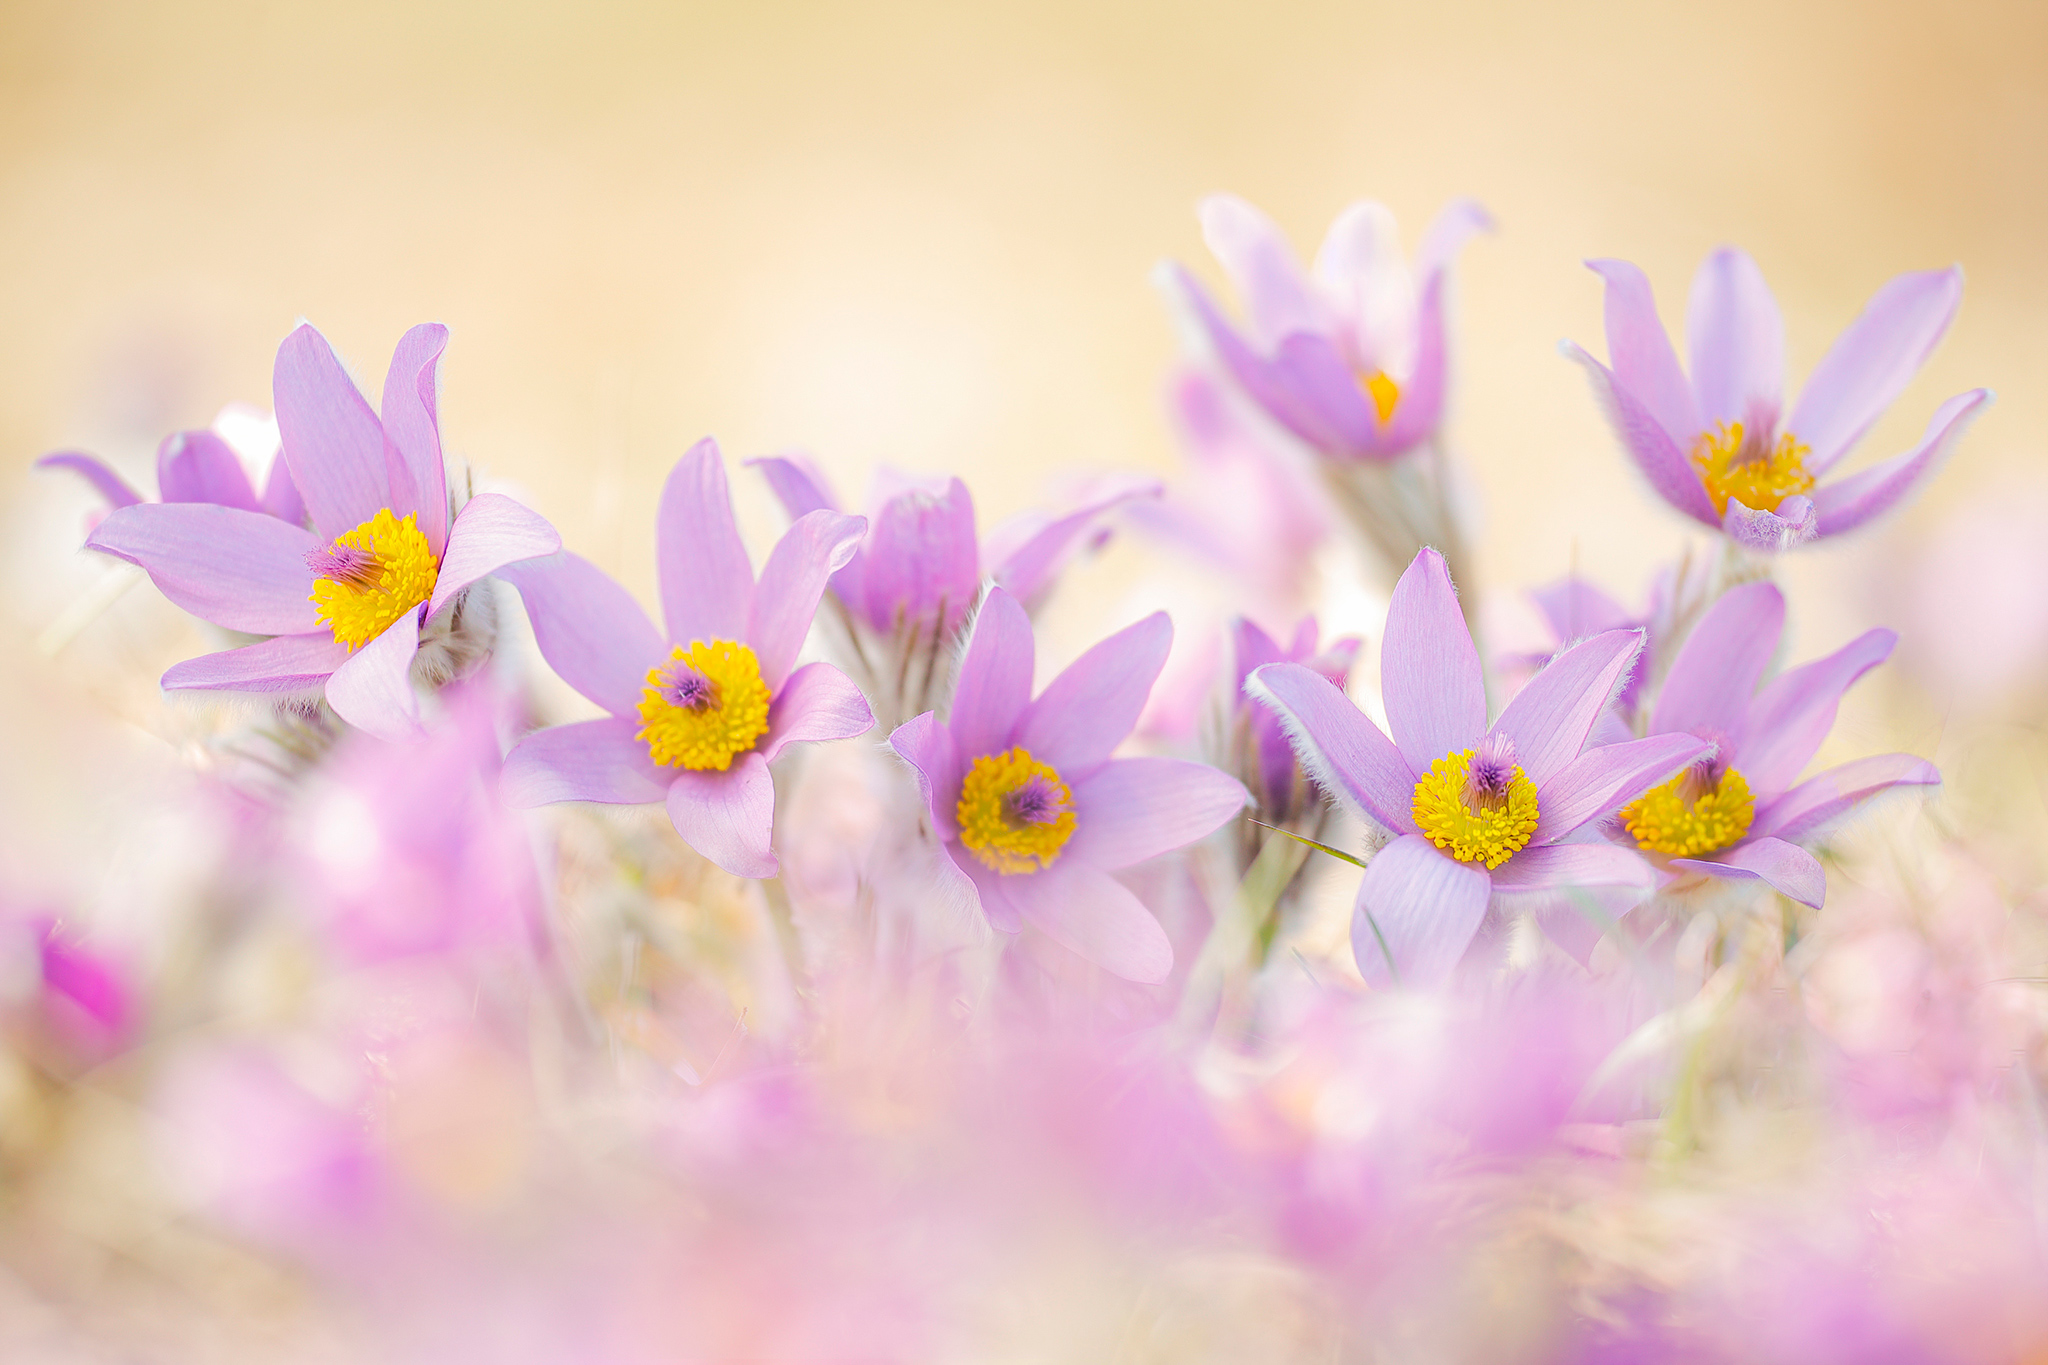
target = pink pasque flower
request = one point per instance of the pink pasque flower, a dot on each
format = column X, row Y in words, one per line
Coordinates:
column 1474, row 811
column 1719, row 447
column 1035, row 813
column 697, row 713
column 1735, row 812
column 198, row 466
column 385, row 567
column 1351, row 359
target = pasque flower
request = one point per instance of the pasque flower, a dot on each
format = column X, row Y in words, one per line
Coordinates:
column 1474, row 811
column 1735, row 813
column 918, row 572
column 698, row 710
column 1275, row 779
column 1350, row 358
column 384, row 569
column 1033, row 810
column 196, row 466
column 1719, row 445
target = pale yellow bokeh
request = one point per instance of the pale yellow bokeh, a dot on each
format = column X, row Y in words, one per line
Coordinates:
column 921, row 234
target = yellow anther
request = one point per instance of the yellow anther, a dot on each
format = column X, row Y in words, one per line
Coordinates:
column 1735, row 465
column 1693, row 813
column 1014, row 812
column 704, row 706
column 371, row 576
column 1384, row 393
column 1474, row 826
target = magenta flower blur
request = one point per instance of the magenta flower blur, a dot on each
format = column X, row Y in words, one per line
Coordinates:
column 1351, row 359
column 1035, row 813
column 1735, row 813
column 385, row 568
column 700, row 710
column 1474, row 811
column 194, row 466
column 1719, row 446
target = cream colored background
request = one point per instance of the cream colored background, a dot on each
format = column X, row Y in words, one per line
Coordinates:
column 921, row 234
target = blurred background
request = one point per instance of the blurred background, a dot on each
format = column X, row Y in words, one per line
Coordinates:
column 920, row 234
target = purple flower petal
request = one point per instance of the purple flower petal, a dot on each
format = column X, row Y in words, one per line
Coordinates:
column 1544, row 867
column 592, row 760
column 1252, row 648
column 921, row 565
column 281, row 496
column 332, row 440
column 589, row 629
column 109, row 485
column 1872, row 361
column 926, row 743
column 1602, row 781
column 1737, row 341
column 728, row 817
column 801, row 487
column 1420, row 410
column 816, row 703
column 1278, row 298
column 1421, row 908
column 1656, row 452
column 991, row 889
column 1262, row 381
column 1849, row 503
column 1338, row 746
column 1810, row 808
column 1430, row 678
column 1714, row 676
column 1793, row 523
column 707, row 582
column 1786, row 723
column 1786, row 867
column 198, row 466
column 1551, row 716
column 1645, row 367
column 288, row 663
column 1089, row 911
column 1026, row 552
column 1454, row 225
column 1315, row 378
column 792, row 582
column 372, row 690
column 1576, row 610
column 241, row 570
column 995, row 678
column 412, row 433
column 1084, row 713
column 492, row 532
column 1138, row 808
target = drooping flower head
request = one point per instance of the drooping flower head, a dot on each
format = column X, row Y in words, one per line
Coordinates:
column 1033, row 810
column 697, row 710
column 1720, row 446
column 913, row 580
column 1350, row 358
column 1736, row 813
column 385, row 568
column 1474, row 810
column 210, row 465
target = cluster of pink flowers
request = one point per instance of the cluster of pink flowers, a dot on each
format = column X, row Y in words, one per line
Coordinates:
column 1016, row 1013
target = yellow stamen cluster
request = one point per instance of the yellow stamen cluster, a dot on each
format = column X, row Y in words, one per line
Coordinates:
column 996, row 830
column 1733, row 465
column 1685, row 817
column 1471, row 831
column 1384, row 393
column 724, row 711
column 398, row 576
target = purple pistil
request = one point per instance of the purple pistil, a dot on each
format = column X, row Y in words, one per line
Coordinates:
column 682, row 685
column 1036, row 802
column 345, row 564
column 1490, row 773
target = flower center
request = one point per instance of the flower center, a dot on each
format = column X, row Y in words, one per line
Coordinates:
column 1476, row 804
column 371, row 576
column 1745, row 466
column 1015, row 814
column 1704, row 808
column 1384, row 393
column 703, row 706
